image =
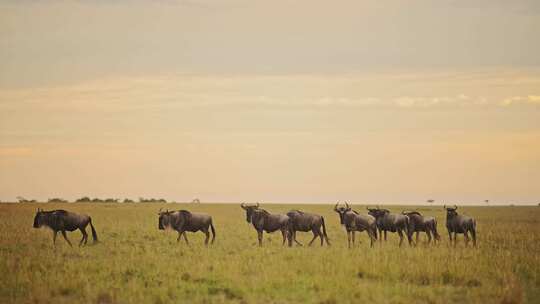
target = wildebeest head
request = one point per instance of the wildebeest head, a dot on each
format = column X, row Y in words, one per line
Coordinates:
column 164, row 219
column 39, row 219
column 377, row 212
column 249, row 210
column 341, row 211
column 450, row 212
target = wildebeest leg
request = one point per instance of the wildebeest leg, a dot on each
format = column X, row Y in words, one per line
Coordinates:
column 417, row 236
column 353, row 238
column 84, row 236
column 179, row 236
column 473, row 234
column 455, row 239
column 400, row 237
column 428, row 236
column 207, row 233
column 65, row 237
column 54, row 237
column 185, row 237
column 260, row 237
column 450, row 236
column 284, row 234
column 466, row 237
column 385, row 235
column 349, row 238
column 296, row 241
column 315, row 235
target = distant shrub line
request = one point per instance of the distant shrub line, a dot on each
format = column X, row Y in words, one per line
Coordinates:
column 86, row 199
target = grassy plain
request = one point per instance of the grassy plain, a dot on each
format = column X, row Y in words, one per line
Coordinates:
column 134, row 262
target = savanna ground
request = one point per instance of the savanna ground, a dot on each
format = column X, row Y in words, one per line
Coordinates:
column 134, row 262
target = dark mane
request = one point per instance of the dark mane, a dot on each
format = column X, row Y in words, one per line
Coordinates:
column 56, row 212
column 261, row 210
column 412, row 212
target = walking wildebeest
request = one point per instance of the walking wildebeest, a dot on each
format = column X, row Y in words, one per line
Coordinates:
column 184, row 220
column 419, row 223
column 392, row 222
column 353, row 221
column 62, row 220
column 263, row 220
column 303, row 221
column 456, row 223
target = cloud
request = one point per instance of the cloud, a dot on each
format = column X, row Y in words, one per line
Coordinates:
column 267, row 91
column 533, row 100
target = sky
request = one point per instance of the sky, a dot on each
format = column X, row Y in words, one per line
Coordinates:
column 271, row 101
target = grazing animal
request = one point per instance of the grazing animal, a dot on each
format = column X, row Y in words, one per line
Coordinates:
column 303, row 221
column 392, row 222
column 419, row 223
column 263, row 220
column 456, row 223
column 184, row 220
column 353, row 221
column 62, row 220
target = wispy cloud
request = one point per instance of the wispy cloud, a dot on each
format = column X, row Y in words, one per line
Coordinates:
column 316, row 91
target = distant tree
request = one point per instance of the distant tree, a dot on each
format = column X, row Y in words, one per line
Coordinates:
column 84, row 199
column 21, row 199
column 97, row 200
column 127, row 200
column 487, row 202
column 196, row 201
column 111, row 200
column 431, row 201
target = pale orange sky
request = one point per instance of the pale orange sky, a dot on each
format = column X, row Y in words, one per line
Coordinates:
column 283, row 101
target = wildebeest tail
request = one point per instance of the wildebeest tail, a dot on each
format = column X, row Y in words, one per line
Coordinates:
column 324, row 231
column 213, row 232
column 94, row 234
column 407, row 223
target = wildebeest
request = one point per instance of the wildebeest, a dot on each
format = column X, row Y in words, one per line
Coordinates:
column 419, row 223
column 263, row 220
column 353, row 221
column 456, row 223
column 62, row 220
column 183, row 220
column 303, row 221
column 392, row 222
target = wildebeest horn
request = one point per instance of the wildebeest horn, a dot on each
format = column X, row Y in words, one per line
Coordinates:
column 444, row 207
column 243, row 205
column 455, row 207
column 335, row 207
column 257, row 205
column 347, row 205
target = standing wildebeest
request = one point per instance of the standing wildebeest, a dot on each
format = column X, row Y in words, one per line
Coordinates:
column 302, row 221
column 460, row 224
column 392, row 222
column 356, row 222
column 418, row 223
column 184, row 220
column 262, row 220
column 62, row 220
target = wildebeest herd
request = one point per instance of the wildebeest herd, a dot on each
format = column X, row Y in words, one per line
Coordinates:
column 377, row 222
